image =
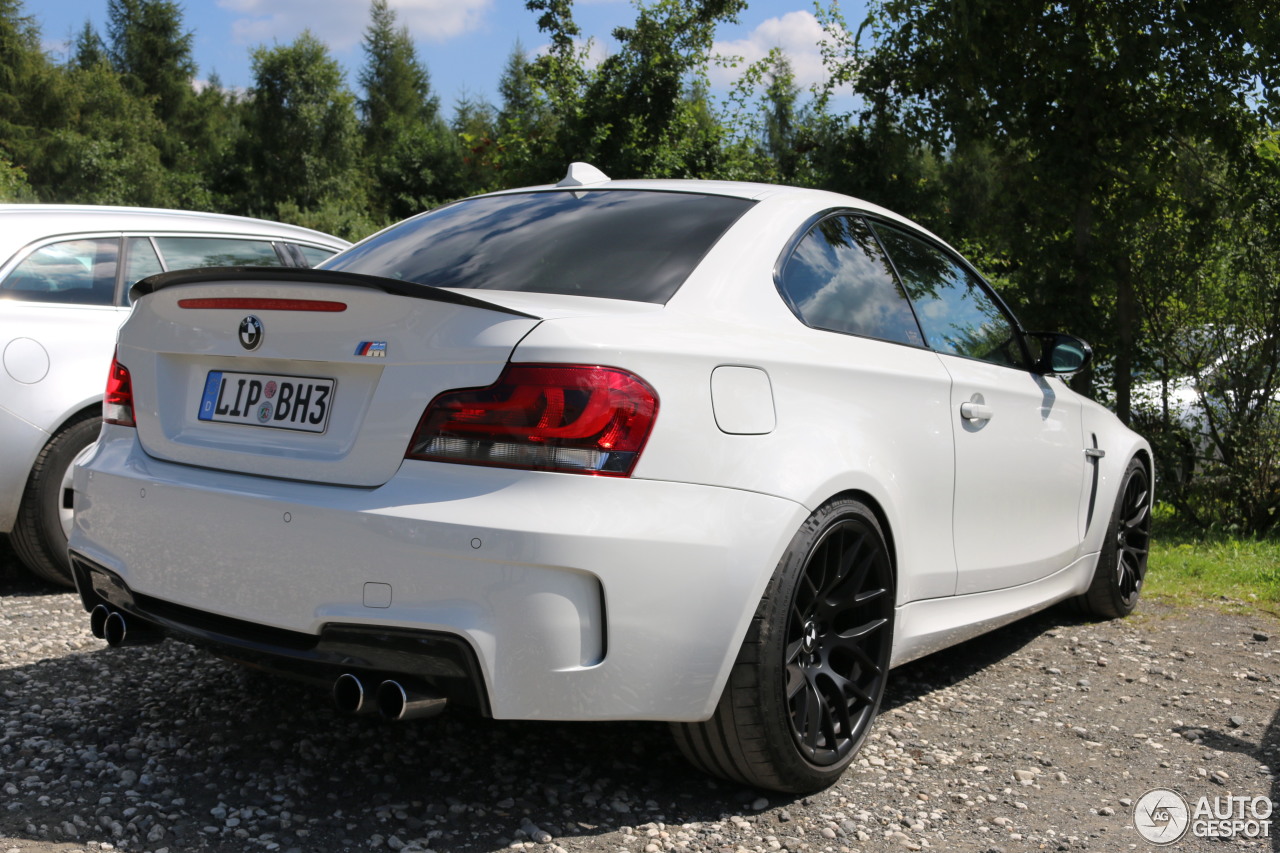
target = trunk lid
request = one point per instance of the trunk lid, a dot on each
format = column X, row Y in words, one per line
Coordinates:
column 302, row 374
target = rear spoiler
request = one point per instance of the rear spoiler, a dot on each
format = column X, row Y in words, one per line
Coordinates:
column 269, row 276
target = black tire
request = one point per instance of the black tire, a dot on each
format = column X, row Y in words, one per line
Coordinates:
column 1122, row 564
column 809, row 677
column 39, row 534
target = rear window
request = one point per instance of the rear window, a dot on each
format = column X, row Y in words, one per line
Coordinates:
column 616, row 244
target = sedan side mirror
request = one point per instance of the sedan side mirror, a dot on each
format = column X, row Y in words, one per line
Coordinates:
column 1059, row 354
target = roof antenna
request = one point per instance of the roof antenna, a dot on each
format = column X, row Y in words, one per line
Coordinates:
column 581, row 174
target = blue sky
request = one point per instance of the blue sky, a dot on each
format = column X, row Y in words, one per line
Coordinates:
column 464, row 43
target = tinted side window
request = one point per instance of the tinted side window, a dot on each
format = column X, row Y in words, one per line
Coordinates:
column 183, row 253
column 838, row 278
column 314, row 254
column 956, row 312
column 82, row 272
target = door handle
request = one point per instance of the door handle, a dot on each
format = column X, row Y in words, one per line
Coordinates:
column 975, row 412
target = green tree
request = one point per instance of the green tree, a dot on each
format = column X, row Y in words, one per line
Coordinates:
column 149, row 48
column 642, row 111
column 642, row 117
column 89, row 49
column 1091, row 102
column 410, row 153
column 104, row 150
column 782, row 122
column 475, row 125
column 301, row 142
column 526, row 148
column 24, row 73
column 13, row 182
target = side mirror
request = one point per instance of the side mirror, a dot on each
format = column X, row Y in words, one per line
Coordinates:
column 1059, row 354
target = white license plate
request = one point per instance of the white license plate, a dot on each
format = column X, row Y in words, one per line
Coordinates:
column 260, row 399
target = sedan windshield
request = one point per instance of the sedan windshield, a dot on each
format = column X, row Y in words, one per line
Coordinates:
column 616, row 244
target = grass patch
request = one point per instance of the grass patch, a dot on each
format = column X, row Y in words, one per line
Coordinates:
column 1191, row 567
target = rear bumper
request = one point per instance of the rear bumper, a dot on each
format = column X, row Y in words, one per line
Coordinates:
column 566, row 596
column 441, row 660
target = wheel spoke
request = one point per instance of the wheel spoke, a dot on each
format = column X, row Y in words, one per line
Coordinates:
column 795, row 682
column 850, row 690
column 869, row 595
column 853, row 572
column 854, row 636
column 813, row 715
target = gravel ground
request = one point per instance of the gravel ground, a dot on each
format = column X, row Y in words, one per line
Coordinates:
column 1040, row 736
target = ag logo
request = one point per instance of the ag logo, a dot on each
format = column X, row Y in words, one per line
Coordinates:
column 1161, row 816
column 251, row 332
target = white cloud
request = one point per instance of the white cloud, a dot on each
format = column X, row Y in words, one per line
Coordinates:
column 798, row 34
column 341, row 23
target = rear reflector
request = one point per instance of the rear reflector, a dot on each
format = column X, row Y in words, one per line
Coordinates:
column 117, row 403
column 260, row 304
column 572, row 418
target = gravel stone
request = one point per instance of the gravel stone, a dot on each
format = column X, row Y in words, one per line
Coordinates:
column 1039, row 736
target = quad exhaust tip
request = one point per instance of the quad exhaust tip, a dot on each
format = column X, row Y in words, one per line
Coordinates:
column 98, row 621
column 391, row 700
column 350, row 695
column 397, row 702
column 119, row 630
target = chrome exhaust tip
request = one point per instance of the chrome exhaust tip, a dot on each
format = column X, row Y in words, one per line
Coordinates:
column 350, row 695
column 98, row 621
column 397, row 702
column 119, row 631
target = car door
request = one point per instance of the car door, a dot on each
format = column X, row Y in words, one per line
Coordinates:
column 58, row 326
column 1019, row 457
column 889, row 391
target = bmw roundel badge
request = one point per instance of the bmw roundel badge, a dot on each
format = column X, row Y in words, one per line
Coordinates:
column 251, row 332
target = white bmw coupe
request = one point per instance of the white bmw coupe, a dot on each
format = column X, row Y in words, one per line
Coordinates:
column 719, row 454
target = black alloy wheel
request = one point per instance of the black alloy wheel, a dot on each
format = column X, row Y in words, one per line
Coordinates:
column 838, row 641
column 1133, row 535
column 1122, row 563
column 811, row 672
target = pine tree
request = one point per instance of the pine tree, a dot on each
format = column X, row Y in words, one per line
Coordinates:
column 89, row 49
column 409, row 152
column 150, row 50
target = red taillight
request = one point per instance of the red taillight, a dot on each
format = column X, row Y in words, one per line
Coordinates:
column 117, row 403
column 580, row 419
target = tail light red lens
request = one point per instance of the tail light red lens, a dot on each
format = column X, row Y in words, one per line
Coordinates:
column 117, row 403
column 573, row 418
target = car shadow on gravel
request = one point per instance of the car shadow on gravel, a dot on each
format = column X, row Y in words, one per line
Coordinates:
column 166, row 745
column 953, row 665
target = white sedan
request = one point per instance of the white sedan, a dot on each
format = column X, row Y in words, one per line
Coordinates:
column 718, row 454
column 65, row 272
